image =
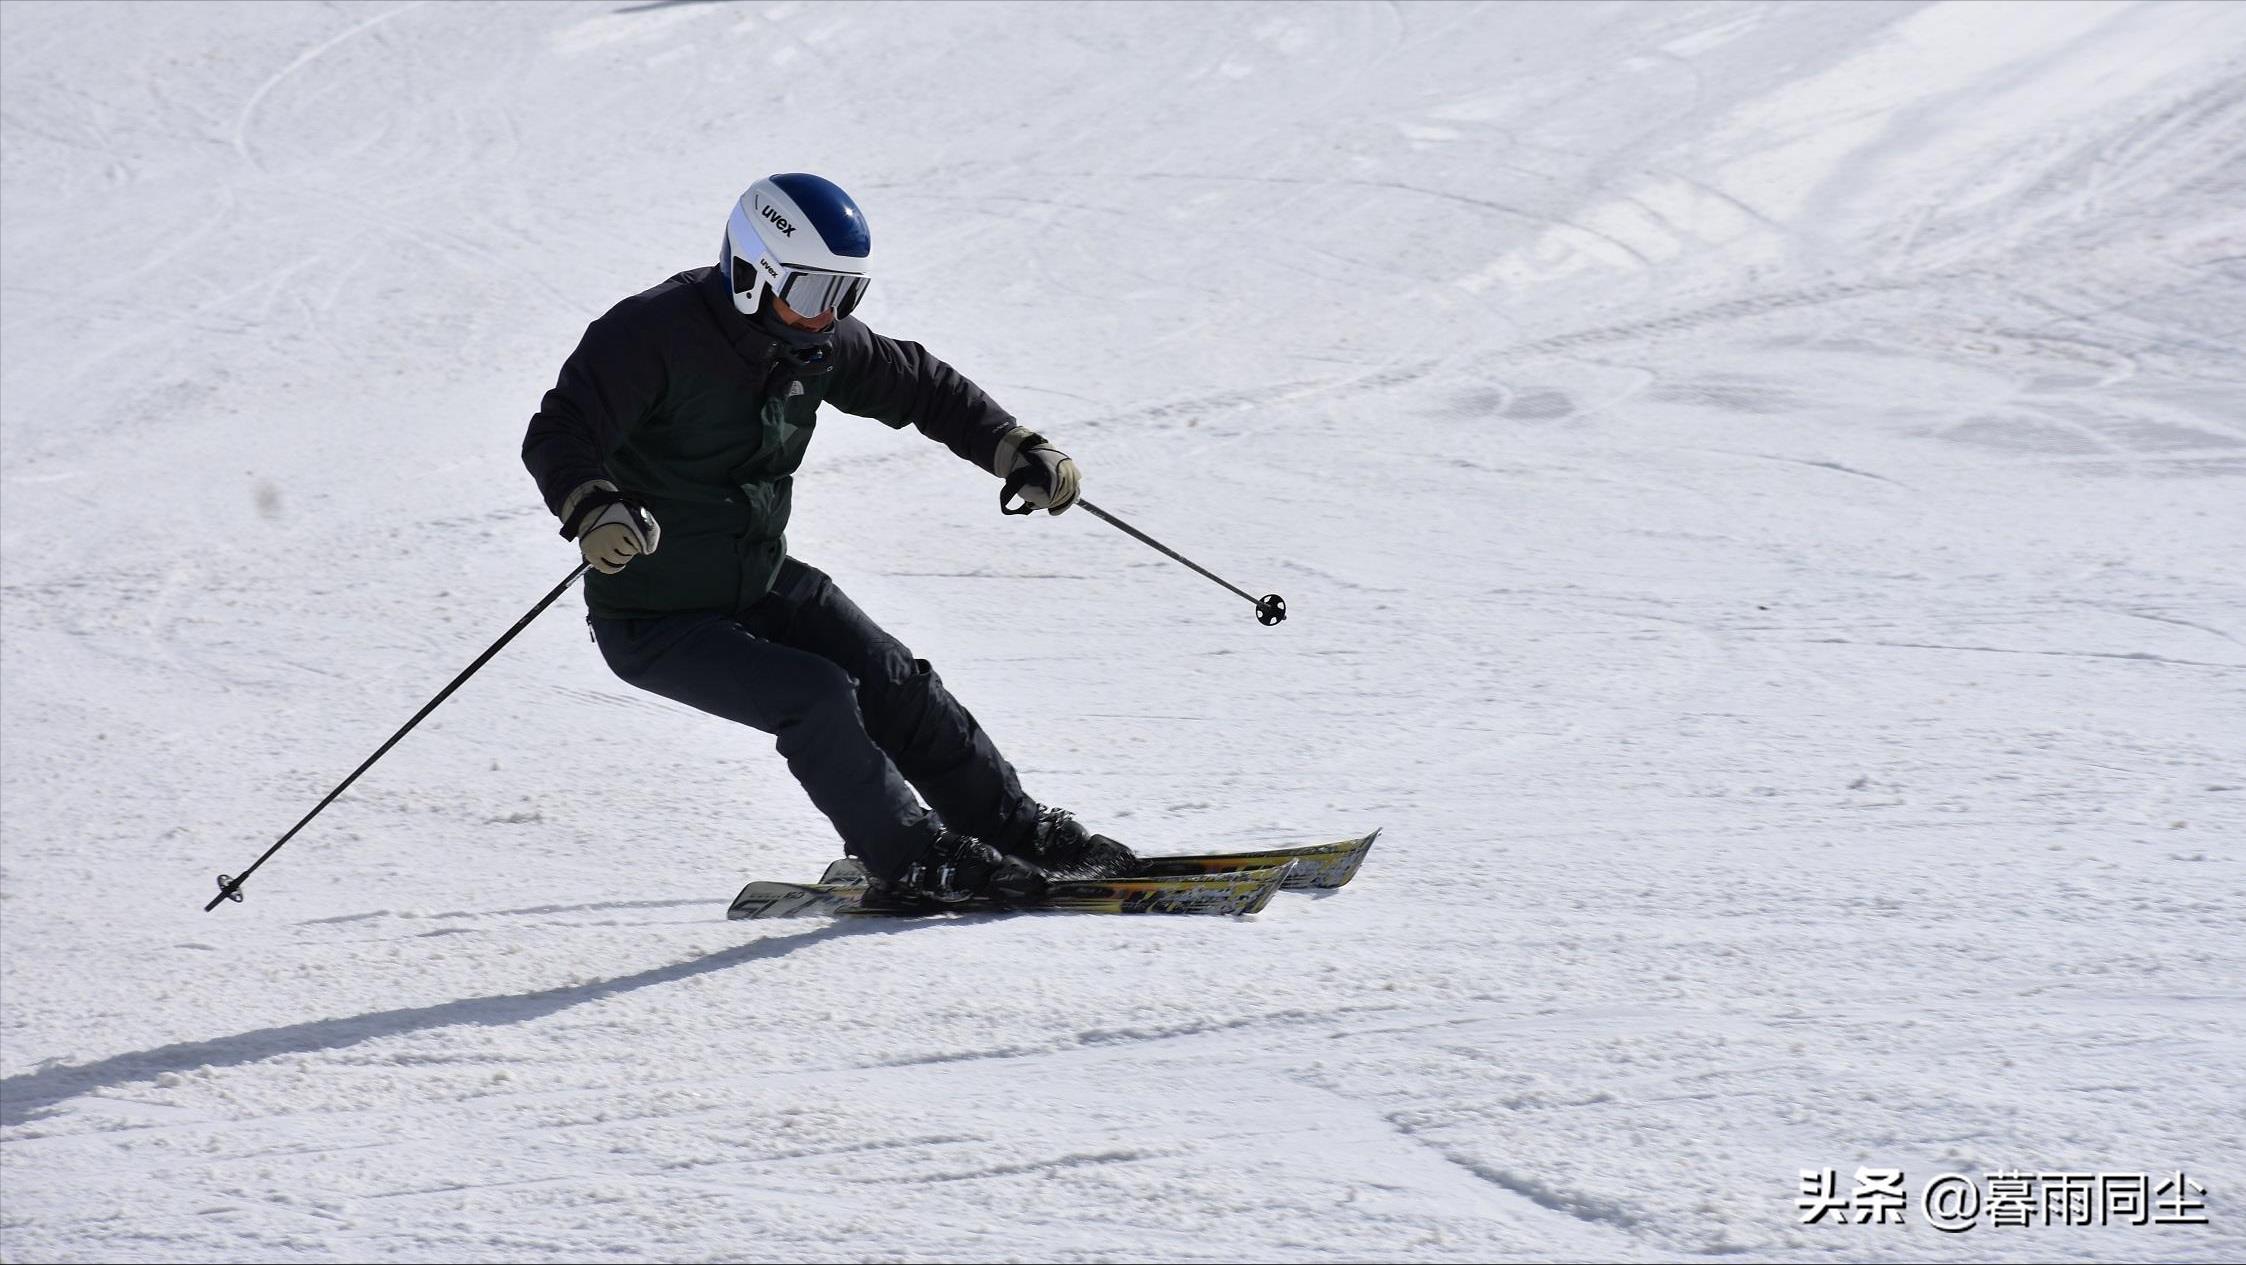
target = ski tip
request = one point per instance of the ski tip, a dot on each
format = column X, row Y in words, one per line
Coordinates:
column 1331, row 867
column 1348, row 869
column 1274, row 879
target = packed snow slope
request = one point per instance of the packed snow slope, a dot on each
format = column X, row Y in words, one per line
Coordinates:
column 1761, row 490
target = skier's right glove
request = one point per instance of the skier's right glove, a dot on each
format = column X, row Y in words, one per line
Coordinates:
column 1042, row 475
column 610, row 528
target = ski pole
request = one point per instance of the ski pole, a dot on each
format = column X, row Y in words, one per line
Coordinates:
column 1270, row 608
column 231, row 888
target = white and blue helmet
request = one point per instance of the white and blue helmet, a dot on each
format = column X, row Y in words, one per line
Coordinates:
column 800, row 238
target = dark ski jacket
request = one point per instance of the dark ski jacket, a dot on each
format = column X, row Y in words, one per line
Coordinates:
column 696, row 413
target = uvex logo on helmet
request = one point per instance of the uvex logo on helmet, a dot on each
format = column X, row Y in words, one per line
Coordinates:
column 779, row 221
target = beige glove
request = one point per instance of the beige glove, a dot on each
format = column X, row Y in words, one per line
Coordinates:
column 1042, row 475
column 611, row 530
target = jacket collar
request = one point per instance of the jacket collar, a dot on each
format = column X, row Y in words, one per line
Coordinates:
column 755, row 346
column 775, row 361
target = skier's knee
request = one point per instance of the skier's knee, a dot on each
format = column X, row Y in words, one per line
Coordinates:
column 824, row 688
column 896, row 702
column 823, row 716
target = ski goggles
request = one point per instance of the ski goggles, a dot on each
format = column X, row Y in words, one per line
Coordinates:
column 806, row 291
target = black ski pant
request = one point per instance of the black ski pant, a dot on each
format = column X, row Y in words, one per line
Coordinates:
column 861, row 722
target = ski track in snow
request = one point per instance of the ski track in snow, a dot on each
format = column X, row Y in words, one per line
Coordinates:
column 1758, row 490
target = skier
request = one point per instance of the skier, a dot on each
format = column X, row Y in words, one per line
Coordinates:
column 678, row 422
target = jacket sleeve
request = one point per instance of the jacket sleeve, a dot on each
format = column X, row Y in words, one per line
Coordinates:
column 899, row 384
column 606, row 386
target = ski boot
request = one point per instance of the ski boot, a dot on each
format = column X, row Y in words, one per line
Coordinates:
column 1060, row 845
column 957, row 870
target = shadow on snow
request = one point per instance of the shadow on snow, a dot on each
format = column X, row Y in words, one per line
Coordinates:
column 26, row 1096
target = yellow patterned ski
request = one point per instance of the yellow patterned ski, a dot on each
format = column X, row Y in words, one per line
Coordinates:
column 1240, row 891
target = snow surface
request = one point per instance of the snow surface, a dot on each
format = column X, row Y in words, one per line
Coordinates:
column 1761, row 489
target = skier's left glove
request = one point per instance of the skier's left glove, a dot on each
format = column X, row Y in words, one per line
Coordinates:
column 1042, row 475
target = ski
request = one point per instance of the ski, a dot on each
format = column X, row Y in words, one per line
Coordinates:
column 1238, row 891
column 1317, row 865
